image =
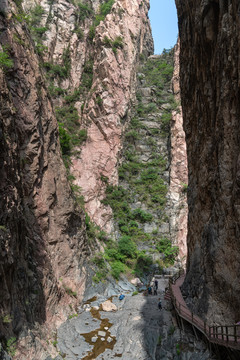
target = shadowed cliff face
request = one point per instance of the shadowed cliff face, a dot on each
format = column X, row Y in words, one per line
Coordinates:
column 209, row 60
column 178, row 168
column 41, row 233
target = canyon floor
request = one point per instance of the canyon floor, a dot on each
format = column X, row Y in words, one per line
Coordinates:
column 136, row 330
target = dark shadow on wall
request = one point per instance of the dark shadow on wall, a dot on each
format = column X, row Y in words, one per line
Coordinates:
column 23, row 258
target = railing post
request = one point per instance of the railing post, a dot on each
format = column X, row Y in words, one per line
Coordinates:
column 227, row 332
column 222, row 332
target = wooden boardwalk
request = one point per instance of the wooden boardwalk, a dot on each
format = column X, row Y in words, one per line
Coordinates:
column 228, row 336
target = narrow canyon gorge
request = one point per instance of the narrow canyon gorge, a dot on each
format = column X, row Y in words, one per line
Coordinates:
column 118, row 170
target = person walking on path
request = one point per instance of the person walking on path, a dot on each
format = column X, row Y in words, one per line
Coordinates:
column 156, row 283
column 155, row 290
column 160, row 304
column 150, row 290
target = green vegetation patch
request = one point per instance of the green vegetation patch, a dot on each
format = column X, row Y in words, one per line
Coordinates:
column 5, row 61
column 85, row 11
column 62, row 71
column 11, row 346
column 143, row 180
column 165, row 247
column 104, row 9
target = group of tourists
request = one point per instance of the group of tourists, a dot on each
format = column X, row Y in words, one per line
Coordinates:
column 153, row 290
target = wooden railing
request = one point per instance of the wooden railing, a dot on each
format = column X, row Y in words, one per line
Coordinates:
column 173, row 279
column 227, row 335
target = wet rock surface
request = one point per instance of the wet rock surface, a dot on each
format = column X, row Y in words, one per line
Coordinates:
column 131, row 331
column 137, row 330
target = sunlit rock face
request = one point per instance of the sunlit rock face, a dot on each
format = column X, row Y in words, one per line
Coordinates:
column 178, row 169
column 209, row 65
column 42, row 231
column 109, row 102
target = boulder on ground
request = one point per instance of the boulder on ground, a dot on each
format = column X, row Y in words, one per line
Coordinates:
column 136, row 281
column 101, row 333
column 108, row 306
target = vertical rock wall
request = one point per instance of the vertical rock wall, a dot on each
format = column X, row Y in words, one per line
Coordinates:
column 42, row 236
column 109, row 102
column 107, row 105
column 178, row 169
column 209, row 62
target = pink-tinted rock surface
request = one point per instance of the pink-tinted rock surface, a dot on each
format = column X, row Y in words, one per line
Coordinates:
column 109, row 102
column 42, row 236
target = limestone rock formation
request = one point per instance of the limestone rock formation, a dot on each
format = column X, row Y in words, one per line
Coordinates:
column 209, row 61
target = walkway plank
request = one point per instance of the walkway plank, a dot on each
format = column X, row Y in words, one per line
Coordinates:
column 228, row 336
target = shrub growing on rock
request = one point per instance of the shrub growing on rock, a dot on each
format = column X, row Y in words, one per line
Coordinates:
column 117, row 268
column 127, row 246
column 165, row 247
column 5, row 61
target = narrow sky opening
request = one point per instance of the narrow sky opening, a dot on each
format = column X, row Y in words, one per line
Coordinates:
column 163, row 17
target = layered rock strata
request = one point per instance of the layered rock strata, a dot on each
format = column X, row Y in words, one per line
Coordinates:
column 209, row 70
column 42, row 233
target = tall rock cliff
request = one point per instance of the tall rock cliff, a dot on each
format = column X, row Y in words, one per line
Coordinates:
column 209, row 61
column 178, row 168
column 109, row 103
column 76, row 62
column 42, row 232
column 72, row 97
column 102, row 39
